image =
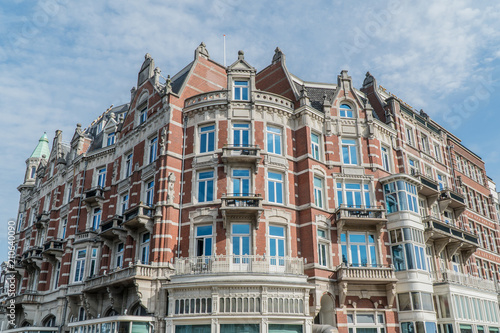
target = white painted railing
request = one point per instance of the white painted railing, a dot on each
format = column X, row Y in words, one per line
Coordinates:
column 239, row 264
column 450, row 276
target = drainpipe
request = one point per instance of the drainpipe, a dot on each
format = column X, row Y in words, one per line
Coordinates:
column 182, row 187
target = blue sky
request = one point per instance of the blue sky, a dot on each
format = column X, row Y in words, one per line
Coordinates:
column 65, row 62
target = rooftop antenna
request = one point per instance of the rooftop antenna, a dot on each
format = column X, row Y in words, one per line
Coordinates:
column 224, row 50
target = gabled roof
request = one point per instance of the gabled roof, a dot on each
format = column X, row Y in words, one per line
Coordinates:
column 42, row 149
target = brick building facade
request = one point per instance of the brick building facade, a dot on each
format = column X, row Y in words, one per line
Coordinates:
column 231, row 200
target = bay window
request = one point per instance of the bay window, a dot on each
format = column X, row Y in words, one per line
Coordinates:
column 401, row 196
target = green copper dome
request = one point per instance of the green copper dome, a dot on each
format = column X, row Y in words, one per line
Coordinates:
column 42, row 148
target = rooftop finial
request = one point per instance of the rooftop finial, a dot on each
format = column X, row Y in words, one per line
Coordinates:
column 278, row 55
column 201, row 50
column 241, row 55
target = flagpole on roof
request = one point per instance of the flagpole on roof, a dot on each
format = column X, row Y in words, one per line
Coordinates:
column 224, row 50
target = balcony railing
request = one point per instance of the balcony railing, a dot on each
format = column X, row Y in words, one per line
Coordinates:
column 239, row 204
column 128, row 273
column 239, row 264
column 449, row 198
column 241, row 153
column 138, row 216
column 430, row 187
column 106, row 228
column 94, row 194
column 357, row 215
column 466, row 280
column 438, row 229
column 34, row 253
column 86, row 235
column 53, row 247
column 376, row 274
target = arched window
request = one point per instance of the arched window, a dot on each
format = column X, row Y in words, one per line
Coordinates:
column 82, row 315
column 110, row 313
column 50, row 321
column 139, row 310
column 346, row 111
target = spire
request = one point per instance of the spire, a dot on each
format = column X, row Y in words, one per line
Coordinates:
column 42, row 150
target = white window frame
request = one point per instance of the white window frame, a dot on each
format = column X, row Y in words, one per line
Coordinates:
column 110, row 138
column 276, row 182
column 319, row 191
column 153, row 149
column 315, row 146
column 93, row 262
column 79, row 271
column 410, row 138
column 96, row 218
column 206, row 135
column 144, row 247
column 241, row 87
column 350, row 156
column 69, row 192
column 272, row 136
column 101, row 177
column 149, row 194
column 129, row 160
column 202, row 239
column 55, row 274
column 63, row 227
column 323, row 247
column 386, row 160
column 143, row 115
column 119, row 255
column 124, row 203
column 207, row 181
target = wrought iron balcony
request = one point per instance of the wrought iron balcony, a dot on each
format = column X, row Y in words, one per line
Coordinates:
column 227, row 264
column 94, row 195
column 357, row 215
column 241, row 204
column 138, row 217
column 241, row 153
column 449, row 198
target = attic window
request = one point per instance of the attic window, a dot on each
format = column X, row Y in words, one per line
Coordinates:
column 241, row 90
column 111, row 139
column 143, row 116
column 346, row 111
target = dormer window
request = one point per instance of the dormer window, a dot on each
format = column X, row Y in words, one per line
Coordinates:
column 346, row 111
column 33, row 172
column 241, row 90
column 111, row 139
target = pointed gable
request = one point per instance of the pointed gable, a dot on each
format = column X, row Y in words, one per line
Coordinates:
column 277, row 79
